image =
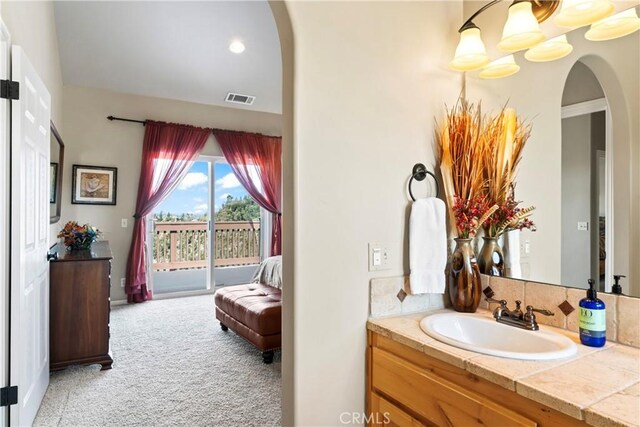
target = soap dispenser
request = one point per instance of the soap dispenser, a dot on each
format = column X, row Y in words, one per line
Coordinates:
column 592, row 321
column 616, row 288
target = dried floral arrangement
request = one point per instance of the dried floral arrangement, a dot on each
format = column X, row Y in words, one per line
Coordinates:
column 461, row 146
column 504, row 138
column 470, row 214
column 509, row 217
column 478, row 163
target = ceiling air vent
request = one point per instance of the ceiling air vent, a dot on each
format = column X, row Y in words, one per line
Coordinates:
column 236, row 98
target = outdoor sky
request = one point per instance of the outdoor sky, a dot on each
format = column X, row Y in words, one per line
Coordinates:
column 192, row 193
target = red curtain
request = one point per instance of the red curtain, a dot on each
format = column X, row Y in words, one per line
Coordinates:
column 256, row 160
column 168, row 153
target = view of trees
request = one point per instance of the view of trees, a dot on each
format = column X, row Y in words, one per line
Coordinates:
column 237, row 237
column 183, row 217
column 240, row 209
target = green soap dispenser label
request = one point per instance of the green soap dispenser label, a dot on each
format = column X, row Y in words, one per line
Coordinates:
column 593, row 320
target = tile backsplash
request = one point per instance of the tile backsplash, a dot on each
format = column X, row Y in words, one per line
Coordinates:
column 391, row 296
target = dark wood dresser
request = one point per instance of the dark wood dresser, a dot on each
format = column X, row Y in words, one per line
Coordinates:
column 79, row 307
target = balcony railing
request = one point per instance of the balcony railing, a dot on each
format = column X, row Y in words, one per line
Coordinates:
column 184, row 245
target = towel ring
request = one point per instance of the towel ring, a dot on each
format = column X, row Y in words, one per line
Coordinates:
column 419, row 173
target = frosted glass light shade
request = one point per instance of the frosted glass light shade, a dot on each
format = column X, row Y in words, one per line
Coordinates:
column 502, row 67
column 619, row 25
column 521, row 31
column 578, row 13
column 470, row 53
column 550, row 50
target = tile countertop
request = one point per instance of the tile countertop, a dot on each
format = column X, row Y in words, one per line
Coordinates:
column 598, row 385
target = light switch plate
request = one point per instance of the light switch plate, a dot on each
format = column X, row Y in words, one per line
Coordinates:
column 378, row 257
column 583, row 226
column 124, row 222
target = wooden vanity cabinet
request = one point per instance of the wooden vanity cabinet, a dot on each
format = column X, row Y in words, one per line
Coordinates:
column 406, row 387
column 79, row 305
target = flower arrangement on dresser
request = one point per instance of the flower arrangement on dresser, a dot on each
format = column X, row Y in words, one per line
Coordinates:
column 478, row 161
column 78, row 237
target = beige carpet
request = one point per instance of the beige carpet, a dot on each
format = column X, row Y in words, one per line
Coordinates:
column 172, row 366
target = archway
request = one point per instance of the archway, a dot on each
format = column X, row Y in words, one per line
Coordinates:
column 285, row 31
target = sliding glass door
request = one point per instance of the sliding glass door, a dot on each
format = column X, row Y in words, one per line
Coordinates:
column 237, row 229
column 178, row 244
column 207, row 233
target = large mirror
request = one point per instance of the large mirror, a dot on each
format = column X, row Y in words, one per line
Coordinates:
column 55, row 181
column 581, row 166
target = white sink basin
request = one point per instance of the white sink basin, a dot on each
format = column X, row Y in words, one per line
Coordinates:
column 484, row 335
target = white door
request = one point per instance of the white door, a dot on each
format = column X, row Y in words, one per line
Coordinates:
column 5, row 50
column 29, row 336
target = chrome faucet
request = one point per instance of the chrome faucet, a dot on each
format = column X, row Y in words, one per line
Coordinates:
column 516, row 317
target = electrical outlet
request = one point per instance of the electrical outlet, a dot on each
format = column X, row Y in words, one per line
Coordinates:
column 124, row 222
column 122, row 282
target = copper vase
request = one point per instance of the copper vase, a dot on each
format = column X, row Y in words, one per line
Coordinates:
column 463, row 278
column 490, row 258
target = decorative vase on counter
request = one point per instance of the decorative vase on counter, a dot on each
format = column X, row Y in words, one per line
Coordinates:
column 463, row 278
column 490, row 258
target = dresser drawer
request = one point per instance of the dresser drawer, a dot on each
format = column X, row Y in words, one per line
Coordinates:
column 435, row 399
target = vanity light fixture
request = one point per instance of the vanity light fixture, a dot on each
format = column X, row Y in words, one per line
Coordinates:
column 578, row 13
column 550, row 50
column 521, row 31
column 470, row 53
column 618, row 25
column 501, row 67
column 236, row 46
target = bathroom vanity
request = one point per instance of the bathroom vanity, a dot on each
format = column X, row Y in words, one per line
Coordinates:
column 414, row 380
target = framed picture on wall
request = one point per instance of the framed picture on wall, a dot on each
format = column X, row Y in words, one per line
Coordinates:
column 94, row 185
column 53, row 176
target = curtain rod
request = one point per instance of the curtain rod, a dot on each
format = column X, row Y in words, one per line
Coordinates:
column 143, row 122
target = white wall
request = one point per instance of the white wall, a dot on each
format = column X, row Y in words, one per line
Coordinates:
column 32, row 26
column 370, row 77
column 91, row 139
column 536, row 92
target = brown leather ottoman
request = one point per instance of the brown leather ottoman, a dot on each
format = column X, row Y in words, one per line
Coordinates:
column 254, row 312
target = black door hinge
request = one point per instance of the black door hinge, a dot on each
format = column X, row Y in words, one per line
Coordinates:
column 9, row 395
column 9, row 89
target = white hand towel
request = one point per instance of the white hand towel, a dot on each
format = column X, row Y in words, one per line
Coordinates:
column 428, row 246
column 512, row 254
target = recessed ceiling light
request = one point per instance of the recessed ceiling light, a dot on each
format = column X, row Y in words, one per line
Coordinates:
column 236, row 46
